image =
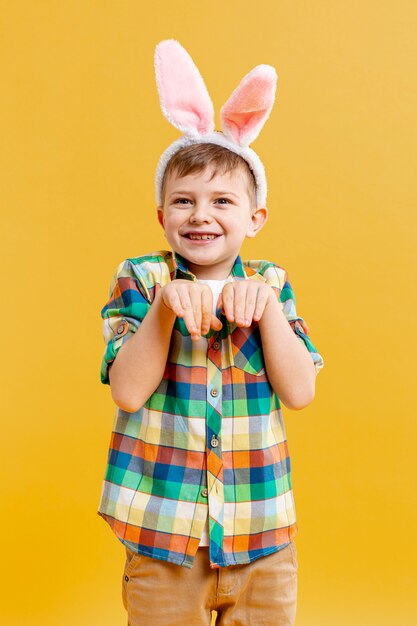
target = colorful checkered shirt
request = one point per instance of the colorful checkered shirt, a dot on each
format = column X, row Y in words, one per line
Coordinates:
column 210, row 440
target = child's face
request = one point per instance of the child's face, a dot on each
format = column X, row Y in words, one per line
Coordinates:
column 218, row 208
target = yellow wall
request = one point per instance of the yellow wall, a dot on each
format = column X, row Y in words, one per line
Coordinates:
column 80, row 138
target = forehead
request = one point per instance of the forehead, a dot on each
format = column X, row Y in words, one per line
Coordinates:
column 234, row 180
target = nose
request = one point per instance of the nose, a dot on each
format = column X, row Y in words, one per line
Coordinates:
column 200, row 213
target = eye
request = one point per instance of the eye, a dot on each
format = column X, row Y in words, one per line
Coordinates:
column 181, row 200
column 226, row 200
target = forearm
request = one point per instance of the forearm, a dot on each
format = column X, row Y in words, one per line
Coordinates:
column 288, row 363
column 140, row 363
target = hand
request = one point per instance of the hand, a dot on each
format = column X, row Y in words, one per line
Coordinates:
column 244, row 301
column 193, row 302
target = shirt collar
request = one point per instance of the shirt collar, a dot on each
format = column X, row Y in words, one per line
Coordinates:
column 181, row 269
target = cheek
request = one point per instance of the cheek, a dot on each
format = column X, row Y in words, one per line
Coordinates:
column 171, row 225
column 171, row 228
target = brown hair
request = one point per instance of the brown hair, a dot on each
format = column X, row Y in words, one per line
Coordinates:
column 197, row 157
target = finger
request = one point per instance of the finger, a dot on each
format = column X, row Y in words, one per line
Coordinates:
column 206, row 306
column 220, row 303
column 261, row 299
column 195, row 298
column 188, row 314
column 240, row 288
column 172, row 301
column 215, row 323
column 250, row 303
column 227, row 301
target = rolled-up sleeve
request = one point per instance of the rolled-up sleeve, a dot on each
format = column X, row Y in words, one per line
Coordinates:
column 129, row 301
column 298, row 324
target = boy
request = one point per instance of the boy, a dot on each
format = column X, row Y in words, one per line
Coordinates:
column 199, row 353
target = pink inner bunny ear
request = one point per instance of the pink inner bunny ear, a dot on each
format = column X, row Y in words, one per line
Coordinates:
column 248, row 108
column 184, row 98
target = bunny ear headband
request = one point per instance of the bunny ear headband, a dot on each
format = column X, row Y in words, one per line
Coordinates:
column 186, row 104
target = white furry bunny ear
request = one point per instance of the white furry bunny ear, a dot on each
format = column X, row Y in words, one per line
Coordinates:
column 184, row 98
column 248, row 108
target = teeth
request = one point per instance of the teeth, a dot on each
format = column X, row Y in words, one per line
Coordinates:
column 191, row 236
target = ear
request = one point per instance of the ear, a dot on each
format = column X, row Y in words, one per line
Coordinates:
column 160, row 215
column 257, row 221
column 184, row 98
column 248, row 108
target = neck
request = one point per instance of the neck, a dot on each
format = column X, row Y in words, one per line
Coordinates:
column 206, row 274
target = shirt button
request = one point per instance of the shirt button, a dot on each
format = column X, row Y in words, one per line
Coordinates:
column 214, row 442
column 120, row 329
column 216, row 345
column 214, row 393
column 127, row 578
column 204, row 493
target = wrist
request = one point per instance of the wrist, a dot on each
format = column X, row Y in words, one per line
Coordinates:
column 272, row 300
column 161, row 304
column 273, row 309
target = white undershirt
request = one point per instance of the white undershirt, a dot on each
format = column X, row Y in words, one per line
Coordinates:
column 216, row 287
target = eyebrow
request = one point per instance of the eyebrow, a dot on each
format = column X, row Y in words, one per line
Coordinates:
column 215, row 193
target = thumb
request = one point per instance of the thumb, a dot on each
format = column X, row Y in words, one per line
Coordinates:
column 220, row 303
column 215, row 323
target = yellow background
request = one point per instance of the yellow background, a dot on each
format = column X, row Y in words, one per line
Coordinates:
column 81, row 132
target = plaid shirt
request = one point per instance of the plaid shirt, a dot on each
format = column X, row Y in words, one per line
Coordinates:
column 210, row 440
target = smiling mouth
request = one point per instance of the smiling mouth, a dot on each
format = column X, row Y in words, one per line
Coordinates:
column 201, row 237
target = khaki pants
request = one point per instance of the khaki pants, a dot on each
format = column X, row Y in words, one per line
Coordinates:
column 261, row 593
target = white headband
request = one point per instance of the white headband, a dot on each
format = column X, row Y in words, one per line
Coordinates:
column 186, row 104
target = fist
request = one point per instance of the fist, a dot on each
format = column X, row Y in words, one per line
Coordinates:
column 192, row 301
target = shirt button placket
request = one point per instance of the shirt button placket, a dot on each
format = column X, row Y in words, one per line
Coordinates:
column 213, row 450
